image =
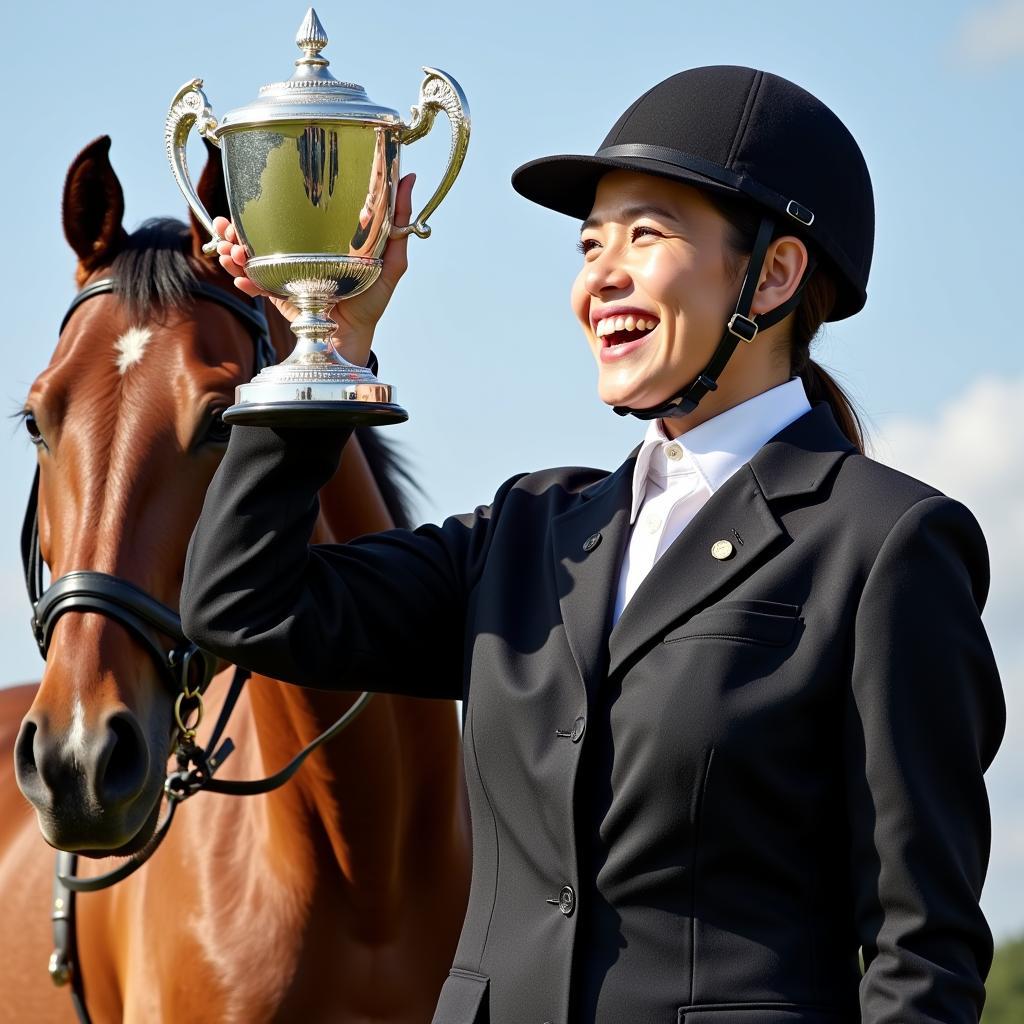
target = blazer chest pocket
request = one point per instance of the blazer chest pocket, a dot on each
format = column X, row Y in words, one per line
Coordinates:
column 754, row 622
column 762, row 1013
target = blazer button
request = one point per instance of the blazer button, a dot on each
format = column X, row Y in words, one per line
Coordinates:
column 722, row 549
column 591, row 542
column 578, row 728
column 567, row 900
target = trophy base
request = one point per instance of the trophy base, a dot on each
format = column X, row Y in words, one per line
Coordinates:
column 314, row 388
column 315, row 414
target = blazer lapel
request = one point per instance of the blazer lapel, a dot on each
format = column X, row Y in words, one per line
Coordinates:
column 796, row 461
column 588, row 543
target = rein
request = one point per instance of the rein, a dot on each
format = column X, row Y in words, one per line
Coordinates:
column 186, row 670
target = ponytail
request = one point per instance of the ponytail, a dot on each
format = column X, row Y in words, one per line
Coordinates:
column 822, row 387
column 817, row 300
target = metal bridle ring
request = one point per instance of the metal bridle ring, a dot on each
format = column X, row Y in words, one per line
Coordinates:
column 188, row 732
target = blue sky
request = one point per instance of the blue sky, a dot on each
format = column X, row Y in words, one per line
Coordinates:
column 479, row 340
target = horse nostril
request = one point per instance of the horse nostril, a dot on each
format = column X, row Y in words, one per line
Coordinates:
column 122, row 766
column 25, row 767
column 39, row 767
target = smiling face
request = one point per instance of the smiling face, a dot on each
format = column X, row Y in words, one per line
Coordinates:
column 654, row 293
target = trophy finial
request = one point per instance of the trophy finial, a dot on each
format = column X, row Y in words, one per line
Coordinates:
column 311, row 39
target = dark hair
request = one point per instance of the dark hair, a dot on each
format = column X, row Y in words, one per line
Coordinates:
column 817, row 300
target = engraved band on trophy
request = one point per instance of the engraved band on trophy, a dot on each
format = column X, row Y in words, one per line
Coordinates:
column 311, row 170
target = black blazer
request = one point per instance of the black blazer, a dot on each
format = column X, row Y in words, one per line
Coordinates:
column 773, row 761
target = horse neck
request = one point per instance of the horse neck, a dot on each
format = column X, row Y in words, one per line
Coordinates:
column 400, row 759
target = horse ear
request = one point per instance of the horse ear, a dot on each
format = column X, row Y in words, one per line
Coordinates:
column 93, row 208
column 214, row 195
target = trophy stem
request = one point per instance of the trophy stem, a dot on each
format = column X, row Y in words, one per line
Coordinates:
column 313, row 329
column 315, row 386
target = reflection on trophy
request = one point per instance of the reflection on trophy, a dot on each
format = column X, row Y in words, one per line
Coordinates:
column 311, row 171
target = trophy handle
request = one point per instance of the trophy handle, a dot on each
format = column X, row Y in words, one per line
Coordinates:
column 438, row 91
column 190, row 107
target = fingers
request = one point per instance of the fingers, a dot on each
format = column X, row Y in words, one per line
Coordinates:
column 229, row 246
column 233, row 257
column 228, row 262
column 403, row 199
column 243, row 284
column 396, row 258
column 225, row 228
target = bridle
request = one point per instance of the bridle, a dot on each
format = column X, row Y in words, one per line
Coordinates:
column 185, row 668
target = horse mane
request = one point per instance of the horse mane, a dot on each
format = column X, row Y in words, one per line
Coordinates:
column 154, row 273
column 391, row 471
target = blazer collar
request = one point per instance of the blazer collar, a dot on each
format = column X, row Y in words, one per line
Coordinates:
column 796, row 461
column 799, row 458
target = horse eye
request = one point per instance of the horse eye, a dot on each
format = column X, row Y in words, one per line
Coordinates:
column 219, row 431
column 33, row 428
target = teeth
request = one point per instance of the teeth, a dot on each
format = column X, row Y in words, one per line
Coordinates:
column 613, row 324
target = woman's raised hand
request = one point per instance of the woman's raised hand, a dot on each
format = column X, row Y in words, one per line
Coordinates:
column 356, row 317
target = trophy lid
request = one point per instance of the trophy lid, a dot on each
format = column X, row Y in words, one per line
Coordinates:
column 311, row 94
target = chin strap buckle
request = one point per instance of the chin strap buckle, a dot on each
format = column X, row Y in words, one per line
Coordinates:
column 743, row 327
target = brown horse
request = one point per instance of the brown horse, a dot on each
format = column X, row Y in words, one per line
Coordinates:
column 338, row 897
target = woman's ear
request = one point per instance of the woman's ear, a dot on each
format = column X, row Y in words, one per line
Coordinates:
column 784, row 266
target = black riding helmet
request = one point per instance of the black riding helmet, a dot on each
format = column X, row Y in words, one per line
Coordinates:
column 747, row 134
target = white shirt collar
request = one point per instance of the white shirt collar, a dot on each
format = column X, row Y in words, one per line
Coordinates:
column 718, row 447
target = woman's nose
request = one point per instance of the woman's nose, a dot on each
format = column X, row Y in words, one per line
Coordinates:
column 606, row 272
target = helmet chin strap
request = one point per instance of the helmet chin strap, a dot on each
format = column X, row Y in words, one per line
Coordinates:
column 741, row 327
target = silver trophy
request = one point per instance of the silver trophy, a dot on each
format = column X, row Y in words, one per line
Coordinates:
column 311, row 172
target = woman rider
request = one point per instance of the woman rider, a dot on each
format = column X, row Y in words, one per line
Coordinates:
column 728, row 707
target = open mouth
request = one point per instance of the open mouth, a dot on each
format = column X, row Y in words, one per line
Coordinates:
column 620, row 335
column 620, row 330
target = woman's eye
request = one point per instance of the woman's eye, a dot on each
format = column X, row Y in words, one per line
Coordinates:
column 33, row 429
column 643, row 229
column 219, row 432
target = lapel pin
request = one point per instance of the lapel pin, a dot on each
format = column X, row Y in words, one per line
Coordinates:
column 591, row 542
column 722, row 549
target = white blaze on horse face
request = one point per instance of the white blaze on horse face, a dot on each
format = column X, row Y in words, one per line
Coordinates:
column 74, row 742
column 131, row 345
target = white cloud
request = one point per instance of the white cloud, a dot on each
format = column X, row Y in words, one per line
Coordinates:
column 992, row 34
column 972, row 448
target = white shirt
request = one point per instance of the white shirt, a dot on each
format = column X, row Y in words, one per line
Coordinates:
column 673, row 479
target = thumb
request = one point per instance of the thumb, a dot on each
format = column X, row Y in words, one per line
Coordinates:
column 396, row 258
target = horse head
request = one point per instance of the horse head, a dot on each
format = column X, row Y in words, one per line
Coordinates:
column 126, row 419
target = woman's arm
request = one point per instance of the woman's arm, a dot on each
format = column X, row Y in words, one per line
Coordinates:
column 924, row 719
column 383, row 612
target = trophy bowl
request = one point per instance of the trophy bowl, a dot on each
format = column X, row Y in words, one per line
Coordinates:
column 311, row 170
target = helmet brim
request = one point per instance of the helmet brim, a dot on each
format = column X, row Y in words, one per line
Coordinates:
column 567, row 183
